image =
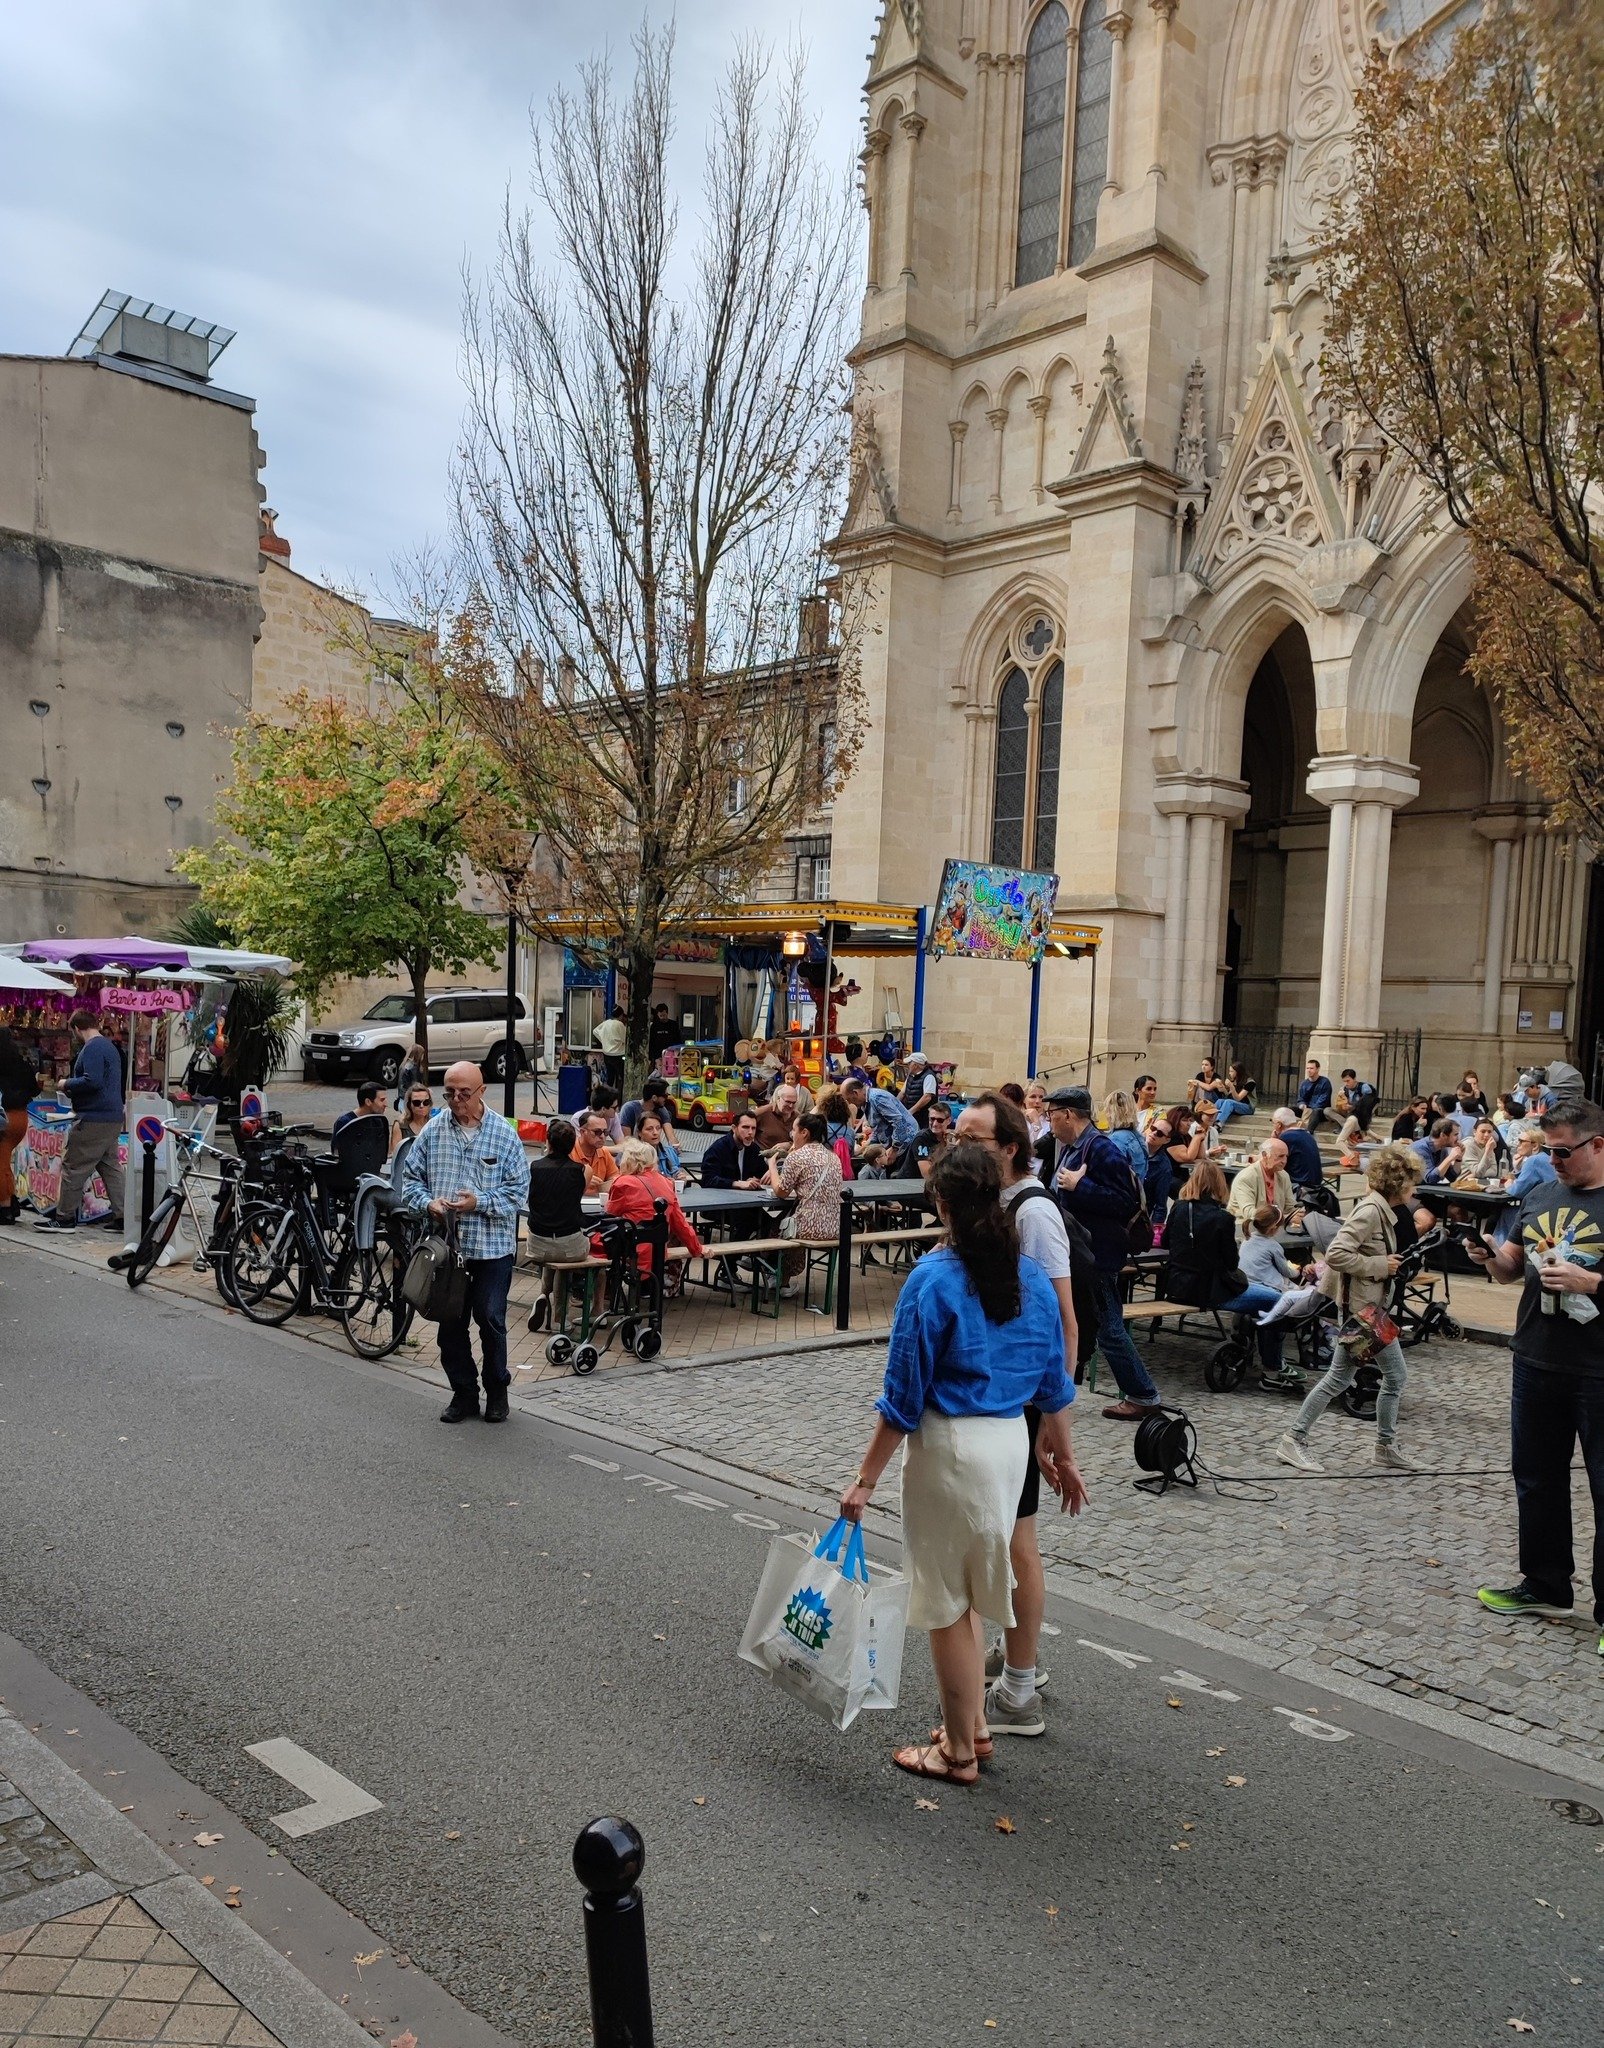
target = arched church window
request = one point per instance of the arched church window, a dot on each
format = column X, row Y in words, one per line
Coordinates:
column 1094, row 79
column 1041, row 149
column 1013, row 770
column 1030, row 717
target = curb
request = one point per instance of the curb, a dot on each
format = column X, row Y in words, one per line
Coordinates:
column 270, row 1989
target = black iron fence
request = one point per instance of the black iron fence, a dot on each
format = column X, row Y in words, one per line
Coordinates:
column 1274, row 1054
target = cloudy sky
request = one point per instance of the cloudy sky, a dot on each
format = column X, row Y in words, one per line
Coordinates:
column 313, row 173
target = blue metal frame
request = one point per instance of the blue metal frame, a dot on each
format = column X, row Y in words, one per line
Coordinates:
column 921, row 934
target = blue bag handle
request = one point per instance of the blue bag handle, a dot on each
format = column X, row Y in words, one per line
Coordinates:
column 842, row 1545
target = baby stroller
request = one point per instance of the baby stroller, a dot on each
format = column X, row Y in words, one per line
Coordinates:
column 1419, row 1313
column 634, row 1314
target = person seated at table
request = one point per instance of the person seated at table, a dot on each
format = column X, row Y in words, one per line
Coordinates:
column 833, row 1106
column 1448, row 1108
column 1263, row 1259
column 775, row 1118
column 1532, row 1168
column 1510, row 1112
column 634, row 1194
column 651, row 1131
column 605, row 1100
column 557, row 1231
column 1205, row 1269
column 1470, row 1093
column 735, row 1161
column 791, row 1075
column 654, row 1100
column 1188, row 1146
column 1118, row 1118
column 873, row 1162
column 1158, row 1175
column 808, row 1174
column 1410, row 1122
column 934, row 1139
column 1264, row 1180
column 1303, row 1154
column 590, row 1149
column 1486, row 1155
column 1440, row 1152
column 1314, row 1097
column 1144, row 1093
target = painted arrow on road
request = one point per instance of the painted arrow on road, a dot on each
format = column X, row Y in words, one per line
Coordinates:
column 333, row 1798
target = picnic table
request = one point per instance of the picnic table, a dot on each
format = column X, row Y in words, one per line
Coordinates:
column 1484, row 1204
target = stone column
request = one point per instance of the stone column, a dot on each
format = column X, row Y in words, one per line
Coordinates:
column 1362, row 793
column 1501, row 830
column 1164, row 10
column 913, row 126
column 1202, row 810
column 1118, row 24
column 873, row 162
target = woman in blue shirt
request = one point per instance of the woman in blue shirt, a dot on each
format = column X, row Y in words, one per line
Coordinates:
column 977, row 1335
column 649, row 1130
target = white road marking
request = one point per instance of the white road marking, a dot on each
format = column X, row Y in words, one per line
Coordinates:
column 1306, row 1724
column 1129, row 1658
column 1189, row 1681
column 596, row 1464
column 334, row 1798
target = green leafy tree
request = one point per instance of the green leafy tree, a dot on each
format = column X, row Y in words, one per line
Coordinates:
column 351, row 831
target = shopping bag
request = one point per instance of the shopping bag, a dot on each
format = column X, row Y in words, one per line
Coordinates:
column 824, row 1629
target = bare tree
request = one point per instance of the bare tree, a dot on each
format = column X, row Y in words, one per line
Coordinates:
column 652, row 468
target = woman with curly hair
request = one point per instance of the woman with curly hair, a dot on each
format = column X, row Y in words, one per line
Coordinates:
column 977, row 1335
column 1361, row 1262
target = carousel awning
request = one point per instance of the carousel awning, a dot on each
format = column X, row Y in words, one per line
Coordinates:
column 856, row 930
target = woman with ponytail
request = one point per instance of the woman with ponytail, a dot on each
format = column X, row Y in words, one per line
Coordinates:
column 977, row 1335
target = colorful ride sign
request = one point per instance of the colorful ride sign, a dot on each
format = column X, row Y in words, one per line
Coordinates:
column 992, row 913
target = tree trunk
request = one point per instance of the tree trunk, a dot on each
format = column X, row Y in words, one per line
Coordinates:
column 418, row 967
column 642, row 968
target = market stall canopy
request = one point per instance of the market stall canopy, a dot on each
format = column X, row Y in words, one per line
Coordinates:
column 19, row 975
column 230, row 960
column 93, row 956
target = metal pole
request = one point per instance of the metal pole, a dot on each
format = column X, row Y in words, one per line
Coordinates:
column 1091, row 1016
column 1035, row 1018
column 608, row 1858
column 921, row 932
column 509, row 1047
column 147, row 1188
column 824, row 1014
column 537, row 1026
column 843, row 1264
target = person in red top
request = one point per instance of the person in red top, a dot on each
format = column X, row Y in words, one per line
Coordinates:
column 634, row 1194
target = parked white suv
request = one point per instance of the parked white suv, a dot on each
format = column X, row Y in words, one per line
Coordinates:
column 464, row 1024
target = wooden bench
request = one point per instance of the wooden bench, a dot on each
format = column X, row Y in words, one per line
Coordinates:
column 924, row 1233
column 566, row 1270
column 767, row 1255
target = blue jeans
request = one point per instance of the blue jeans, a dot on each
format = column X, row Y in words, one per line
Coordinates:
column 1114, row 1341
column 1252, row 1301
column 1230, row 1107
column 488, row 1283
column 1548, row 1411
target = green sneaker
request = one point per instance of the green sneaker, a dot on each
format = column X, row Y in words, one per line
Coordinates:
column 1519, row 1600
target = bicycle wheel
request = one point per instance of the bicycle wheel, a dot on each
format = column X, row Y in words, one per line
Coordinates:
column 266, row 1263
column 379, row 1315
column 157, row 1237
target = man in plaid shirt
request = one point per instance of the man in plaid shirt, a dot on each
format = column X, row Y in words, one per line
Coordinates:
column 469, row 1168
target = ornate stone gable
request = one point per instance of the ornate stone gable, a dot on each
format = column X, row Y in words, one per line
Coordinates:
column 870, row 501
column 1109, row 436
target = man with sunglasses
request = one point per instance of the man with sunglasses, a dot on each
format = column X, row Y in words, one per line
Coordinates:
column 1557, row 1248
column 467, row 1168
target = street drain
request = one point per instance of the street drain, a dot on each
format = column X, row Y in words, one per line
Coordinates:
column 1574, row 1811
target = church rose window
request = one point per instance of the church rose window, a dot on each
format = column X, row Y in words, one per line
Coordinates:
column 1041, row 150
column 1094, row 75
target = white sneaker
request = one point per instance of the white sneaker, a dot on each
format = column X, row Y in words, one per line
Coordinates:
column 1291, row 1452
column 1003, row 1719
column 1390, row 1458
column 790, row 1290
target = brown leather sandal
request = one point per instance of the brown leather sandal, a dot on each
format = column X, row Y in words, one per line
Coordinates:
column 985, row 1748
column 937, row 1761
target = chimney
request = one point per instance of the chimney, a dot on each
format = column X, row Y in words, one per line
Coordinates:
column 269, row 541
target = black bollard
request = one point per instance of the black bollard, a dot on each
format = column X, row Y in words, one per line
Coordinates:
column 608, row 1858
column 147, row 1188
column 843, row 1264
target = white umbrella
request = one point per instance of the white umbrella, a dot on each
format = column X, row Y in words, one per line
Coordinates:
column 17, row 975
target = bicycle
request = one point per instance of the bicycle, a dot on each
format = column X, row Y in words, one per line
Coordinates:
column 211, row 1217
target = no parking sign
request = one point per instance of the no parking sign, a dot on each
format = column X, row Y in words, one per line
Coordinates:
column 252, row 1106
column 150, row 1130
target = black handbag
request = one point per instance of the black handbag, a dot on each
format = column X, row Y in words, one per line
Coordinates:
column 436, row 1280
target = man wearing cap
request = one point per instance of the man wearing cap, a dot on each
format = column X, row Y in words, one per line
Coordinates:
column 1088, row 1174
column 919, row 1090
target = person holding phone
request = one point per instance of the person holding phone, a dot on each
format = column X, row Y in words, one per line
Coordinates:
column 1557, row 1393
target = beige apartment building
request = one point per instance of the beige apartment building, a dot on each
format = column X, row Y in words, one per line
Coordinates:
column 1149, row 611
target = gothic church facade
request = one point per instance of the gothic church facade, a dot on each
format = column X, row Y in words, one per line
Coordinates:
column 1146, row 609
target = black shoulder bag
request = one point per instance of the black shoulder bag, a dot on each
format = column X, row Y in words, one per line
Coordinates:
column 436, row 1280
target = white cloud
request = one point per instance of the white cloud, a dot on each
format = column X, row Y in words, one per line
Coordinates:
column 313, row 174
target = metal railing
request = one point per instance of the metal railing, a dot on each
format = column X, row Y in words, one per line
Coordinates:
column 1274, row 1055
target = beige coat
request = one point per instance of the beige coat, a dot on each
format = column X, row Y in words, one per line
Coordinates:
column 1247, row 1194
column 1359, row 1253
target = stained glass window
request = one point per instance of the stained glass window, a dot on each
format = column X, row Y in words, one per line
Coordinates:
column 1049, row 722
column 1094, row 75
column 1041, row 151
column 1008, row 794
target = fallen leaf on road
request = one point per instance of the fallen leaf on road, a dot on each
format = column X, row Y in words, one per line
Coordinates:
column 453, row 1834
column 362, row 1962
column 1236, row 1781
column 125, row 1809
column 1188, row 1825
column 1174, row 1700
column 1574, row 1980
column 407, row 2040
column 659, row 1639
column 235, row 1903
column 700, row 1799
column 927, row 1806
column 72, row 1731
column 1214, row 1752
column 206, row 1841
column 1051, row 1912
column 208, row 1880
column 1436, row 1561
column 1521, row 2026
column 990, row 2023
column 1542, row 1902
column 1004, row 1825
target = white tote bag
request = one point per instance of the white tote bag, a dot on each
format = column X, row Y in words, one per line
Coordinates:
column 824, row 1629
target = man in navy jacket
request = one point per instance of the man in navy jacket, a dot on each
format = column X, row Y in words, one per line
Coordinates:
column 96, row 1094
column 735, row 1160
column 1314, row 1097
column 1088, row 1173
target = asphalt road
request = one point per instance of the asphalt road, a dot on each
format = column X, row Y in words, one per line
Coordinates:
column 222, row 1537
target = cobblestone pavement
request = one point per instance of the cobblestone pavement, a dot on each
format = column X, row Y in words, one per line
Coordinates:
column 1374, row 1576
column 108, row 1974
column 33, row 1854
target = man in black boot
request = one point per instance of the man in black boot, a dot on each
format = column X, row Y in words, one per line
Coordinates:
column 469, row 1168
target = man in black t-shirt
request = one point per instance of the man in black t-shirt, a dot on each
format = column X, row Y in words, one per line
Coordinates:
column 934, row 1139
column 1558, row 1249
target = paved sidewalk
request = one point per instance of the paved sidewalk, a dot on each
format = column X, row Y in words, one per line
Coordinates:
column 104, row 1940
column 1369, row 1576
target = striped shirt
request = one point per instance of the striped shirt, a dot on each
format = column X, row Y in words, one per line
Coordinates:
column 487, row 1159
